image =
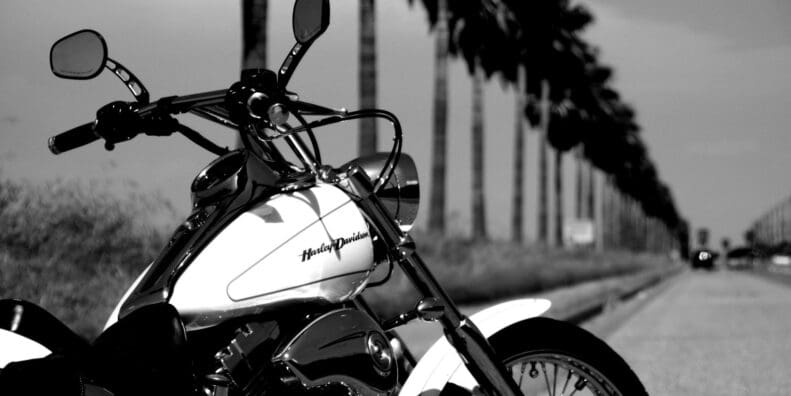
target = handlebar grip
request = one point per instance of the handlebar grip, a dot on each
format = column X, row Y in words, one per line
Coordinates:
column 73, row 138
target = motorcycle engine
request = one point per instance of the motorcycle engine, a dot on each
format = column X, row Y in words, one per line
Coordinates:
column 343, row 352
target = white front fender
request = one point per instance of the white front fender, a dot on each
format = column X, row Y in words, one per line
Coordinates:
column 441, row 363
column 15, row 348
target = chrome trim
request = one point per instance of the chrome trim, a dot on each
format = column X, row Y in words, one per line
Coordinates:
column 401, row 193
column 221, row 178
column 479, row 357
column 343, row 347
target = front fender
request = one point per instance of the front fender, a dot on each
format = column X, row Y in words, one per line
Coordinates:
column 441, row 363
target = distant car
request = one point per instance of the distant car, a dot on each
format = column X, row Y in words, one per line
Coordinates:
column 703, row 258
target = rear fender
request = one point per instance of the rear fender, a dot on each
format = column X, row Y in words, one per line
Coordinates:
column 16, row 348
column 441, row 363
column 27, row 331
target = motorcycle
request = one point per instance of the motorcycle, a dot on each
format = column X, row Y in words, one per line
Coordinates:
column 258, row 292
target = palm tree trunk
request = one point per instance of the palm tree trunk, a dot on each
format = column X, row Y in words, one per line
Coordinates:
column 543, row 182
column 436, row 220
column 517, row 198
column 478, row 198
column 558, row 198
column 591, row 198
column 596, row 207
column 608, row 214
column 580, row 185
column 254, row 21
column 254, row 38
column 367, row 76
column 623, row 237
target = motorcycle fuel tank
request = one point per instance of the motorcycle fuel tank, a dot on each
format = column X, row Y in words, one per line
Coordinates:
column 308, row 245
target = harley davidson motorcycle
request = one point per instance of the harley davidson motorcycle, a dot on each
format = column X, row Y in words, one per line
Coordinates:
column 258, row 292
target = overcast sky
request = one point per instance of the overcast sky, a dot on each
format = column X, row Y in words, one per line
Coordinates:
column 708, row 79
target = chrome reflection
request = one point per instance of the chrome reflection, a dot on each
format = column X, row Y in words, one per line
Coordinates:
column 346, row 348
column 222, row 177
column 401, row 194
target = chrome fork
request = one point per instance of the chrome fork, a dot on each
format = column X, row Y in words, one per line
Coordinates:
column 472, row 346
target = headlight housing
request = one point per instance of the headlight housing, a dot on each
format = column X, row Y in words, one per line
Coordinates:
column 401, row 194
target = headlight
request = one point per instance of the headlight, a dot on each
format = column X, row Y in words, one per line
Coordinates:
column 401, row 194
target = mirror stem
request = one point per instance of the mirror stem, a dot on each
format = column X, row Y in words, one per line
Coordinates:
column 290, row 63
column 130, row 80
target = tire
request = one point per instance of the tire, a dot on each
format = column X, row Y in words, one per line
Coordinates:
column 547, row 356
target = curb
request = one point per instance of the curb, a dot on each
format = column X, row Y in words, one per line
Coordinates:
column 582, row 302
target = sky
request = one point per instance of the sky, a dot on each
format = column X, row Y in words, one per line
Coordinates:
column 708, row 80
column 710, row 84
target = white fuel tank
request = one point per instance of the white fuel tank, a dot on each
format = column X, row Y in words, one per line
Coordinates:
column 309, row 245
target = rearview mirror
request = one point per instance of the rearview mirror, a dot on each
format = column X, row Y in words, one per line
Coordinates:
column 80, row 55
column 310, row 19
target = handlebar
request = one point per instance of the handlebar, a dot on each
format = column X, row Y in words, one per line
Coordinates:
column 73, row 138
column 121, row 121
column 87, row 133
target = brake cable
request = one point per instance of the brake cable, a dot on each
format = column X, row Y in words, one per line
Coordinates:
column 201, row 140
column 395, row 153
column 311, row 136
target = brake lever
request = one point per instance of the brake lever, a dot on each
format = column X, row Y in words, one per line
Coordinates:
column 312, row 109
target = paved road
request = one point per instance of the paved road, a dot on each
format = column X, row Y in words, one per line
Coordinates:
column 719, row 333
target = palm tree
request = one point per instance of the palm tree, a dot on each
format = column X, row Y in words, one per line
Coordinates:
column 367, row 76
column 254, row 38
column 438, row 18
column 590, row 198
column 559, row 198
column 478, row 197
column 559, row 64
column 517, row 197
column 480, row 36
column 522, row 13
column 563, row 132
column 543, row 180
column 436, row 220
column 578, row 186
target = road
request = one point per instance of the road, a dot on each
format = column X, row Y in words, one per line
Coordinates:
column 701, row 333
column 718, row 333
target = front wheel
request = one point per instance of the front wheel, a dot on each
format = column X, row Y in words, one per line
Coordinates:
column 550, row 357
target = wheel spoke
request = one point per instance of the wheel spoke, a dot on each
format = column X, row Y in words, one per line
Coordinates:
column 555, row 381
column 565, row 384
column 581, row 379
column 521, row 374
column 546, row 378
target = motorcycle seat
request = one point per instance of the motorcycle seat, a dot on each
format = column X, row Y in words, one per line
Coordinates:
column 144, row 353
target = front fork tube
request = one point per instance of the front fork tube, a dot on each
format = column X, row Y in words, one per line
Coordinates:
column 474, row 350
